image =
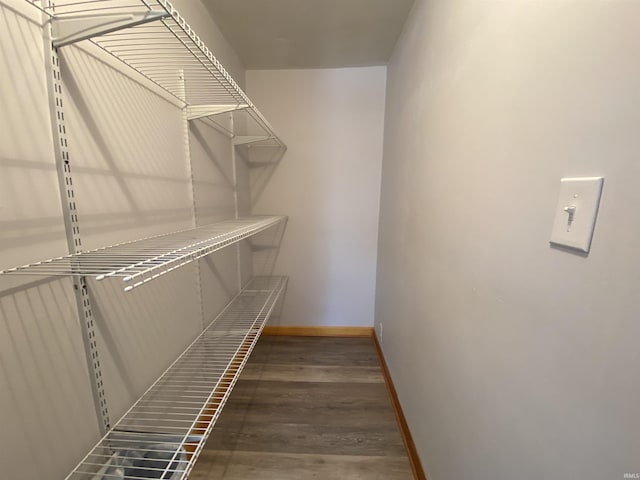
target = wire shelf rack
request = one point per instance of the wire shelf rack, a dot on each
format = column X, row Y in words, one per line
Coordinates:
column 141, row 261
column 163, row 433
column 153, row 38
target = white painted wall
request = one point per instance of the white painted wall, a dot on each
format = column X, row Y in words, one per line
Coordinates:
column 512, row 359
column 328, row 183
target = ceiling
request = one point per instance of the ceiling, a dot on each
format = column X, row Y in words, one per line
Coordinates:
column 276, row 34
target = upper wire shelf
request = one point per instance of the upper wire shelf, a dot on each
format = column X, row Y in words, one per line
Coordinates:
column 151, row 37
column 143, row 260
column 163, row 433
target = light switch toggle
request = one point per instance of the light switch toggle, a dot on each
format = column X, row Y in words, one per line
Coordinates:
column 571, row 210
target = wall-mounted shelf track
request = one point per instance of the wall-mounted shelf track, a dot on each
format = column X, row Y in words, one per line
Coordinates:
column 144, row 260
column 164, row 431
column 152, row 38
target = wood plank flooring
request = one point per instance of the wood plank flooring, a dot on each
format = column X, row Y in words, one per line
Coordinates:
column 307, row 408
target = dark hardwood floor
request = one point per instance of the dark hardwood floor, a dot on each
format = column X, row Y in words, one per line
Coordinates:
column 307, row 408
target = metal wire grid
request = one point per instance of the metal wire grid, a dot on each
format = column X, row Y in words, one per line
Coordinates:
column 175, row 416
column 245, row 126
column 167, row 52
column 144, row 260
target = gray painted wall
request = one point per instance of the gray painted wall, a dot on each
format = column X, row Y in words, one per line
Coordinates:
column 512, row 359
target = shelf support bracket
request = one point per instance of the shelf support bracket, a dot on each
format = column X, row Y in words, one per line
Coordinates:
column 272, row 160
column 199, row 111
column 244, row 139
column 68, row 30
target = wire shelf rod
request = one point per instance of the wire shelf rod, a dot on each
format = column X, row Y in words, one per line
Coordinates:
column 167, row 46
column 144, row 260
column 161, row 419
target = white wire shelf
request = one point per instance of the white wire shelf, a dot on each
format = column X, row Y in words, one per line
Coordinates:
column 163, row 433
column 151, row 37
column 141, row 261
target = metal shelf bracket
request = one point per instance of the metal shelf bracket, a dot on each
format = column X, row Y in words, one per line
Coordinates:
column 68, row 30
column 199, row 111
column 244, row 139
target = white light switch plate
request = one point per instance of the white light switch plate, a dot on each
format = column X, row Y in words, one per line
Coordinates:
column 576, row 212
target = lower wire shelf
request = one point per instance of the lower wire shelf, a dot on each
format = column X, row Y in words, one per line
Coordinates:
column 162, row 434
